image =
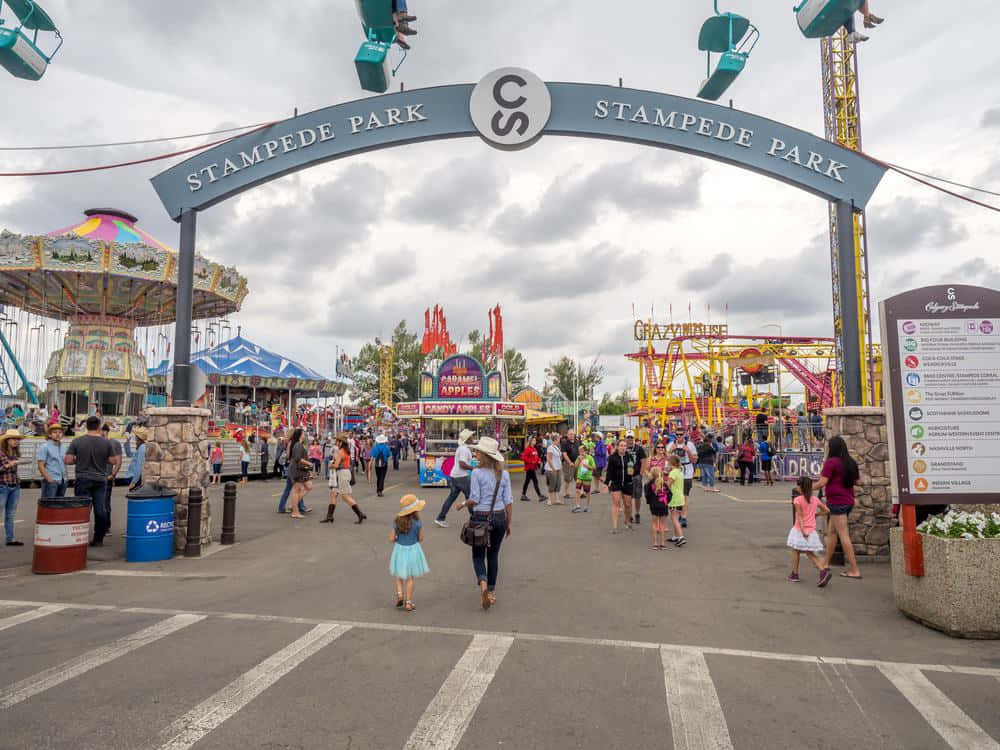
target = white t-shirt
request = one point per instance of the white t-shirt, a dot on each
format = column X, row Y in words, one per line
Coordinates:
column 463, row 454
column 687, row 463
column 554, row 456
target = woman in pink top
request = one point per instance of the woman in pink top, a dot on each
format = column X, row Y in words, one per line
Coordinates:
column 802, row 537
column 316, row 454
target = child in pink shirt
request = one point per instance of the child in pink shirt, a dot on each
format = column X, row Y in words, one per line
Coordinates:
column 802, row 537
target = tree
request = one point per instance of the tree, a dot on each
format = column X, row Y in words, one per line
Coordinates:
column 560, row 373
column 407, row 364
column 364, row 380
column 517, row 369
column 614, row 404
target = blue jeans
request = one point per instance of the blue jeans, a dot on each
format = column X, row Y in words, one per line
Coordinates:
column 288, row 491
column 486, row 560
column 399, row 6
column 457, row 484
column 708, row 475
column 53, row 489
column 326, row 467
column 9, row 495
column 97, row 491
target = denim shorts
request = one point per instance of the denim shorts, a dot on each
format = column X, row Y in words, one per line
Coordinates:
column 840, row 510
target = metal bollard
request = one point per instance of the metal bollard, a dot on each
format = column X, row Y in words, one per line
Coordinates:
column 229, row 513
column 193, row 546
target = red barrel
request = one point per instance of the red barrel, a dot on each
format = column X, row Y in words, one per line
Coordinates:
column 62, row 532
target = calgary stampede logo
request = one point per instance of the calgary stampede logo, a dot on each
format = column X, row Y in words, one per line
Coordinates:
column 953, row 305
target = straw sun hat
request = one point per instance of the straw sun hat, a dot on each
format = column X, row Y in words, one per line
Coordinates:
column 9, row 435
column 489, row 447
column 410, row 504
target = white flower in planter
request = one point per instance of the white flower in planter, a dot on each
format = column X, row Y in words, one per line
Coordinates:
column 963, row 525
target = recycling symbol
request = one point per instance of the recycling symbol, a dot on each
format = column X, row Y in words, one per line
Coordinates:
column 152, row 527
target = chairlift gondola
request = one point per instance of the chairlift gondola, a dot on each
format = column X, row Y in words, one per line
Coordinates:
column 820, row 18
column 19, row 52
column 372, row 60
column 731, row 36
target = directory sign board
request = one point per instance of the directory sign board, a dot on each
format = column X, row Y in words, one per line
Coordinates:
column 941, row 375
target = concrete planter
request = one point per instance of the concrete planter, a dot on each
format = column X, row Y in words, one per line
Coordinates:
column 960, row 591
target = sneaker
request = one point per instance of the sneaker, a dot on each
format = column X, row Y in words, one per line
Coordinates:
column 577, row 509
column 636, row 518
column 586, row 510
column 673, row 539
column 684, row 523
column 681, row 541
column 15, row 543
column 856, row 36
column 442, row 524
column 824, row 577
column 524, row 498
column 793, row 577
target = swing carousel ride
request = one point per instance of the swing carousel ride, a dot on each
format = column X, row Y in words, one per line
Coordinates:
column 73, row 301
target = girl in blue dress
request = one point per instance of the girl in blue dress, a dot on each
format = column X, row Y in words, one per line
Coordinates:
column 407, row 561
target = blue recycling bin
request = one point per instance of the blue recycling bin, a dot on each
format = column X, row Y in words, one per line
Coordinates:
column 149, row 530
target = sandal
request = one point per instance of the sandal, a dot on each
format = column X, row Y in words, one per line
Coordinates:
column 402, row 42
column 493, row 599
column 404, row 28
column 486, row 599
column 853, row 578
column 405, row 17
column 408, row 607
column 399, row 600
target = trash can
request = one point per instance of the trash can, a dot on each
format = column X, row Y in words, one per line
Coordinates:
column 149, row 529
column 62, row 532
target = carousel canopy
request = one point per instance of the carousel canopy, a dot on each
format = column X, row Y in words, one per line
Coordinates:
column 107, row 266
column 240, row 362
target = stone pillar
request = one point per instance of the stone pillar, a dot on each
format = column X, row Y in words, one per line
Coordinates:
column 176, row 457
column 866, row 434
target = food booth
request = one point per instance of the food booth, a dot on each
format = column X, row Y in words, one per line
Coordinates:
column 460, row 396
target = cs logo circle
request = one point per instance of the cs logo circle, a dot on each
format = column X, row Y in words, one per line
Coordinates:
column 510, row 107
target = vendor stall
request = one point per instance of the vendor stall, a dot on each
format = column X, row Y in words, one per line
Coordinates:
column 460, row 396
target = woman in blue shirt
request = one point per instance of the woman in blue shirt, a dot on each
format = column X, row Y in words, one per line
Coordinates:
column 491, row 497
column 141, row 435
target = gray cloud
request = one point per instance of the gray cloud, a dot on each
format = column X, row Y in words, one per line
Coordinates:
column 991, row 118
column 385, row 268
column 906, row 225
column 979, row 271
column 574, row 203
column 458, row 195
column 717, row 269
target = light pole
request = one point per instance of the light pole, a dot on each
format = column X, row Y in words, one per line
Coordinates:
column 777, row 367
column 576, row 406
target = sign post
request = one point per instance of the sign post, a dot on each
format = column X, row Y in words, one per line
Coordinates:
column 941, row 379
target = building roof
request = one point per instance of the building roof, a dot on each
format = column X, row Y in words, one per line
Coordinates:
column 241, row 357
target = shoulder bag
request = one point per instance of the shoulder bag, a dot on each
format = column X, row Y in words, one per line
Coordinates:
column 476, row 531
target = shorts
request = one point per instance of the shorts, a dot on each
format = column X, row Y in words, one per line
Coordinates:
column 840, row 510
column 598, row 472
column 553, row 480
column 216, row 468
column 615, row 487
column 341, row 480
column 688, row 484
column 568, row 472
column 637, row 487
column 765, row 464
column 583, row 486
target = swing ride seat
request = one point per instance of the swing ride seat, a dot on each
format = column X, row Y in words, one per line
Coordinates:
column 19, row 54
column 715, row 32
column 372, row 60
column 820, row 18
column 730, row 65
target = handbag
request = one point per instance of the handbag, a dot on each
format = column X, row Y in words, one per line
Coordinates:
column 476, row 531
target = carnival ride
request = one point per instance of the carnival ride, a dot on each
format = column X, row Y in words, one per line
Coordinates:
column 372, row 60
column 102, row 279
column 720, row 373
column 20, row 53
column 733, row 38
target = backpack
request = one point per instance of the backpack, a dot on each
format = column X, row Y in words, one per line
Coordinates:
column 380, row 460
column 653, row 498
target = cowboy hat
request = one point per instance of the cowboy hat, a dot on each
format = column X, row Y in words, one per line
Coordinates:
column 53, row 426
column 464, row 435
column 9, row 435
column 410, row 504
column 141, row 433
column 630, row 434
column 489, row 447
column 381, row 439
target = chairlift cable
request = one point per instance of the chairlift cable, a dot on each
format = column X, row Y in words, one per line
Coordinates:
column 907, row 173
column 942, row 179
column 133, row 143
column 160, row 157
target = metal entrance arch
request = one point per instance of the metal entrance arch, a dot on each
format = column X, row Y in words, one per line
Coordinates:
column 512, row 108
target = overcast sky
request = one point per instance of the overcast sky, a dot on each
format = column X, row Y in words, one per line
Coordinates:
column 569, row 235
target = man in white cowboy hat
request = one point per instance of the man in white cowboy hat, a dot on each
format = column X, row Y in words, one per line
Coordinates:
column 379, row 458
column 94, row 459
column 10, row 485
column 51, row 462
column 458, row 479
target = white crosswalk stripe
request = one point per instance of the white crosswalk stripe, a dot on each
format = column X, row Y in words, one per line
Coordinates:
column 696, row 718
column 948, row 720
column 49, row 678
column 446, row 718
column 32, row 614
column 210, row 713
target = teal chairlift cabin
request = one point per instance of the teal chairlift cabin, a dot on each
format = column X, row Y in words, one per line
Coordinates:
column 820, row 18
column 19, row 50
column 733, row 38
column 372, row 60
